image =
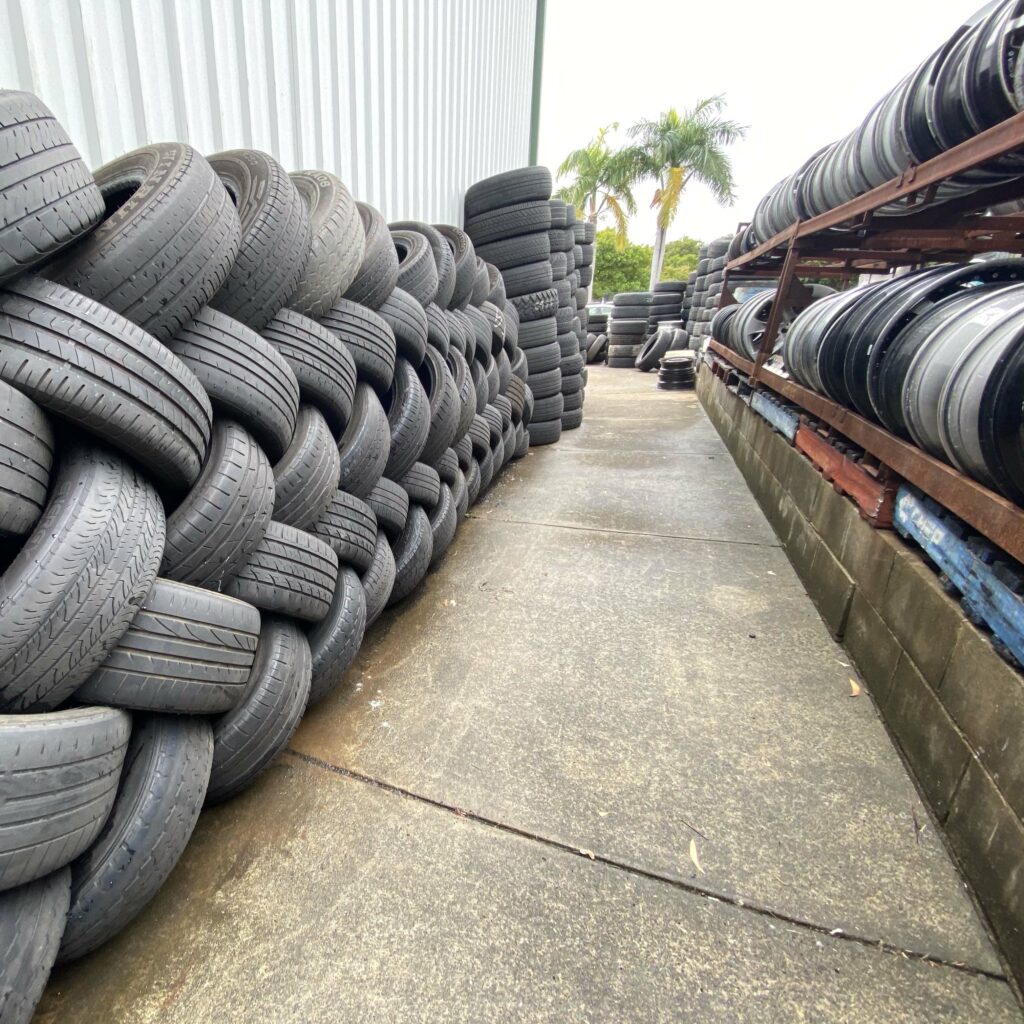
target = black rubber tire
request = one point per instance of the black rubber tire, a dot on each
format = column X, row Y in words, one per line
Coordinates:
column 445, row 407
column 460, row 493
column 481, row 285
column 509, row 222
column 390, row 505
column 496, row 295
column 652, row 351
column 633, row 312
column 365, row 445
column 544, row 432
column 417, row 268
column 572, row 383
column 306, row 476
column 586, row 277
column 516, row 393
column 75, row 586
column 168, row 241
column 423, row 485
column 459, row 331
column 60, row 781
column 378, row 579
column 480, row 437
column 503, row 367
column 444, row 520
column 550, row 408
column 464, row 452
column 369, row 339
column 535, row 305
column 466, row 391
column 568, row 344
column 290, row 572
column 335, row 642
column 572, row 400
column 447, row 467
column 480, row 385
column 571, row 366
column 571, row 419
column 486, row 465
column 32, row 919
column 438, row 329
column 495, row 424
column 337, row 243
column 408, row 322
column 91, row 366
column 408, row 410
column 543, row 357
column 247, row 379
column 527, row 279
column 538, row 332
column 559, row 265
column 531, row 401
column 545, row 384
column 413, row 550
column 378, row 273
column 514, row 252
column 322, row 364
column 562, row 240
column 481, row 330
column 349, row 526
column 26, row 459
column 188, row 651
column 621, row 362
column 522, row 447
column 522, row 185
column 248, row 738
column 465, row 264
column 159, row 798
column 224, row 516
column 444, row 261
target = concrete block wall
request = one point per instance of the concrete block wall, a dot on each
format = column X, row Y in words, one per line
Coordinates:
column 953, row 706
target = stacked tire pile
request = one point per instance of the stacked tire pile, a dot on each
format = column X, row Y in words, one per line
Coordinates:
column 597, row 337
column 707, row 290
column 677, row 372
column 567, row 235
column 240, row 417
column 935, row 356
column 627, row 327
column 666, row 306
column 971, row 83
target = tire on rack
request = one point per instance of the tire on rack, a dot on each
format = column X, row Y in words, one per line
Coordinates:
column 169, row 238
column 87, row 364
column 290, row 572
column 188, row 652
column 408, row 411
column 247, row 379
column 413, row 550
column 365, row 445
column 369, row 339
column 76, row 584
column 378, row 273
column 276, row 236
column 322, row 364
column 335, row 642
column 337, row 242
column 307, row 475
column 248, row 738
column 26, row 462
column 158, row 803
column 61, row 772
column 522, row 185
column 349, row 526
column 378, row 579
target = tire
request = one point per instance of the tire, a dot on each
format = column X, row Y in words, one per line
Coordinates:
column 307, row 475
column 390, row 505
column 26, row 459
column 91, row 366
column 459, row 331
column 32, row 919
column 481, row 330
column 571, row 419
column 524, row 280
column 466, row 391
column 188, row 651
column 378, row 273
column 248, row 738
column 158, row 803
column 572, row 383
column 495, row 424
column 225, row 514
column 535, row 305
column 550, row 408
column 480, row 385
column 78, row 581
column 632, row 312
column 290, row 572
column 545, row 384
column 493, row 380
column 460, row 494
column 561, row 240
column 538, row 332
column 413, row 550
column 571, row 366
column 276, row 237
column 486, row 472
column 408, row 322
column 522, row 447
column 365, row 445
column 369, row 339
column 335, row 642
column 337, row 243
column 447, row 467
column 516, row 393
column 323, row 366
column 438, row 329
column 166, row 246
column 568, row 344
column 503, row 367
column 423, row 485
column 47, row 193
column 559, row 265
column 444, row 520
column 417, row 268
column 509, row 222
column 480, row 437
column 465, row 264
column 544, row 432
column 247, row 379
column 445, row 406
column 514, row 252
column 496, row 295
column 60, row 781
column 586, row 277
column 543, row 358
column 652, row 351
column 349, row 526
column 408, row 411
column 572, row 401
column 464, row 452
column 523, row 185
column 443, row 258
column 472, row 483
column 378, row 579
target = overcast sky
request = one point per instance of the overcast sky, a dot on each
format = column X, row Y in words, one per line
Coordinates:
column 798, row 73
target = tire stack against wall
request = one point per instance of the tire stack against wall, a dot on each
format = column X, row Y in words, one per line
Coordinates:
column 566, row 235
column 238, row 421
column 627, row 327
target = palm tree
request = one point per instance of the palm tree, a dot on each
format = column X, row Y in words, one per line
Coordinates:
column 680, row 147
column 603, row 184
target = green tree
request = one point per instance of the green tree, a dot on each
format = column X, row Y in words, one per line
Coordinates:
column 678, row 148
column 617, row 269
column 680, row 259
column 602, row 184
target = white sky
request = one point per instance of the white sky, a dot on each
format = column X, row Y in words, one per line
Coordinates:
column 798, row 73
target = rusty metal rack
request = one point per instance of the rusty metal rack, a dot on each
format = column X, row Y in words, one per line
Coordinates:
column 848, row 241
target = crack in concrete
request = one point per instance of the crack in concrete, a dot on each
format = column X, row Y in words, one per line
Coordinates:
column 632, row 869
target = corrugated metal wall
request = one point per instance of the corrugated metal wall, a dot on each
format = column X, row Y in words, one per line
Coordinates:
column 408, row 101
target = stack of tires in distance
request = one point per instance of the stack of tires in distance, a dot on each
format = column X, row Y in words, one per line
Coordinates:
column 572, row 301
column 627, row 327
column 666, row 305
column 707, row 290
column 597, row 337
column 241, row 416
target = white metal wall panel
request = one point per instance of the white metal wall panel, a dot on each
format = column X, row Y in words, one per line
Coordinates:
column 408, row 101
